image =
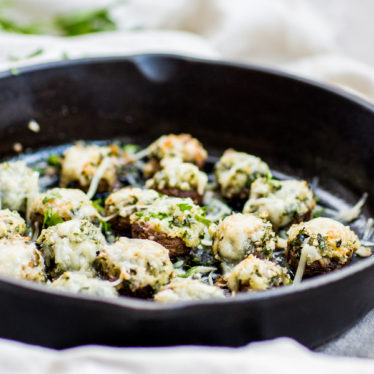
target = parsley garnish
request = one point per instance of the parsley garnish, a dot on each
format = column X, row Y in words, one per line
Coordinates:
column 14, row 71
column 203, row 220
column 53, row 160
column 83, row 22
column 159, row 215
column 51, row 219
column 130, row 148
column 319, row 212
column 105, row 226
column 188, row 273
column 184, row 206
column 97, row 205
column 35, row 53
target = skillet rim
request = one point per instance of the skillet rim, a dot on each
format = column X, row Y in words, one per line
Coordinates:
column 147, row 305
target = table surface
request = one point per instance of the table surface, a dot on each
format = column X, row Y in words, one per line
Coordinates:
column 358, row 341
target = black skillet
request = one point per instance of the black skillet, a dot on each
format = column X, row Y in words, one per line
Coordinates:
column 298, row 127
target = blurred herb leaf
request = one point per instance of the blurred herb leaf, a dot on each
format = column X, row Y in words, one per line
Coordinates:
column 85, row 22
column 8, row 25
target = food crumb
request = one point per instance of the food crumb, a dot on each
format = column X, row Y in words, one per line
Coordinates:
column 364, row 252
column 17, row 147
column 34, row 126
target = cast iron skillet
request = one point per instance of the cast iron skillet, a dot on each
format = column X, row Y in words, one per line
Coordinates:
column 298, row 127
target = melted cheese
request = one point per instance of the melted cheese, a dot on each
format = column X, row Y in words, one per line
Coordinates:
column 176, row 217
column 11, row 223
column 256, row 274
column 83, row 283
column 138, row 262
column 339, row 242
column 187, row 289
column 20, row 258
column 81, row 162
column 17, row 184
column 183, row 146
column 240, row 234
column 71, row 245
column 177, row 174
column 235, row 172
column 128, row 200
column 279, row 201
column 67, row 203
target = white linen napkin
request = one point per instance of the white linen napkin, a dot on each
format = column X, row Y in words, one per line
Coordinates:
column 307, row 38
column 280, row 356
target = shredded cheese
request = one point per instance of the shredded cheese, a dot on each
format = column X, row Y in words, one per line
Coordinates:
column 33, row 126
column 301, row 266
column 307, row 254
column 97, row 177
column 351, row 214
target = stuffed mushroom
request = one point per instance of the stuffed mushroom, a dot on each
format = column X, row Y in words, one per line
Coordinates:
column 18, row 185
column 254, row 274
column 140, row 267
column 239, row 235
column 180, row 179
column 11, row 223
column 80, row 163
column 236, row 171
column 182, row 146
column 71, row 245
column 281, row 202
column 178, row 224
column 320, row 245
column 19, row 258
column 61, row 204
column 124, row 202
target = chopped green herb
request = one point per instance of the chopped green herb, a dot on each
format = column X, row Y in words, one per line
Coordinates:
column 188, row 273
column 319, row 212
column 35, row 53
column 51, row 196
column 14, row 71
column 184, row 206
column 13, row 58
column 65, row 56
column 85, row 22
column 51, row 219
column 130, row 148
column 321, row 242
column 159, row 215
column 9, row 25
column 105, row 226
column 31, row 55
column 53, row 160
column 97, row 205
column 203, row 220
column 40, row 170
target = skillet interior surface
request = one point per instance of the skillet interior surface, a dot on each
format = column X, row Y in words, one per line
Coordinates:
column 299, row 128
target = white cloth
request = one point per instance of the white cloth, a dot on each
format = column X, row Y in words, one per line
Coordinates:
column 280, row 356
column 298, row 36
column 308, row 38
